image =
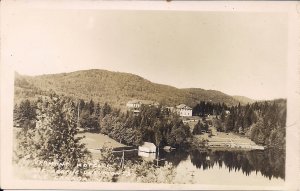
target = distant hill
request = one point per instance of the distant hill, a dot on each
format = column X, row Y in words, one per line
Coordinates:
column 115, row 88
column 243, row 99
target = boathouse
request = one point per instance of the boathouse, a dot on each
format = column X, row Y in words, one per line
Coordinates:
column 147, row 147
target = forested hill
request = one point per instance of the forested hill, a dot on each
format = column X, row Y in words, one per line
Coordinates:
column 244, row 99
column 114, row 88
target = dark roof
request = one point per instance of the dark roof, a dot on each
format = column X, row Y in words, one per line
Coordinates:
column 183, row 106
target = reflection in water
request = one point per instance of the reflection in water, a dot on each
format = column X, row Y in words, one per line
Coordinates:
column 270, row 163
column 174, row 156
column 147, row 156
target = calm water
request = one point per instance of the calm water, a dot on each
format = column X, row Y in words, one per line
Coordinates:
column 225, row 167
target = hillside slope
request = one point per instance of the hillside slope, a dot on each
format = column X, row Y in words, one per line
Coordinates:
column 115, row 88
column 244, row 99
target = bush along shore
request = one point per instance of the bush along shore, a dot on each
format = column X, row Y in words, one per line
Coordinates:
column 106, row 169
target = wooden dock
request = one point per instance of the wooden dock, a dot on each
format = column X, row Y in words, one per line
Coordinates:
column 128, row 150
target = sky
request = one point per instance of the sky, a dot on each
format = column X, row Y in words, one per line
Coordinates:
column 238, row 53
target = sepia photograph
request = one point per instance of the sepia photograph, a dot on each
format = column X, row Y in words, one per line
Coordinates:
column 148, row 96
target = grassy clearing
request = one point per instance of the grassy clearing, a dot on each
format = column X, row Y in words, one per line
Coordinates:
column 222, row 139
column 92, row 141
column 97, row 140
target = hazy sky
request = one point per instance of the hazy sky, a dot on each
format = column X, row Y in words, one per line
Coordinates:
column 236, row 53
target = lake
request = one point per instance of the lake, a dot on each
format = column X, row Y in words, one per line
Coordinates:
column 224, row 167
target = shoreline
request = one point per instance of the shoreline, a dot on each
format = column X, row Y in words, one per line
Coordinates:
column 229, row 140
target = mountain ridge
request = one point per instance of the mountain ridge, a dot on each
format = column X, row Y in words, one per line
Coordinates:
column 115, row 88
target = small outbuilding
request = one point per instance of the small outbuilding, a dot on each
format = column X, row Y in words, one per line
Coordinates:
column 147, row 147
column 135, row 105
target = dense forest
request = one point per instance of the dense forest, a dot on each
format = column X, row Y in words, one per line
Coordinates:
column 207, row 108
column 48, row 146
column 114, row 88
column 263, row 122
column 153, row 124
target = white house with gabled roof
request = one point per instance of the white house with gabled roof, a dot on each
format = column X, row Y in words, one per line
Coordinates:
column 184, row 110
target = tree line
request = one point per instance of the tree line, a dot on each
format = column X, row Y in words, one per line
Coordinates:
column 152, row 124
column 204, row 108
column 263, row 122
column 48, row 145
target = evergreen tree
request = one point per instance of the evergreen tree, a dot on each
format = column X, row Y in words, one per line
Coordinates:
column 223, row 116
column 218, row 124
column 106, row 109
column 205, row 127
column 97, row 110
column 25, row 114
column 54, row 138
column 230, row 122
column 197, row 129
column 257, row 132
column 157, row 133
column 91, row 107
column 81, row 104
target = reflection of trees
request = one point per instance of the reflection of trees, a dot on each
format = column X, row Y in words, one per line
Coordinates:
column 198, row 158
column 175, row 156
column 271, row 163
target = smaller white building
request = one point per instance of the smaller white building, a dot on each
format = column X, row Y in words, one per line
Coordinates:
column 135, row 105
column 184, row 110
column 147, row 147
